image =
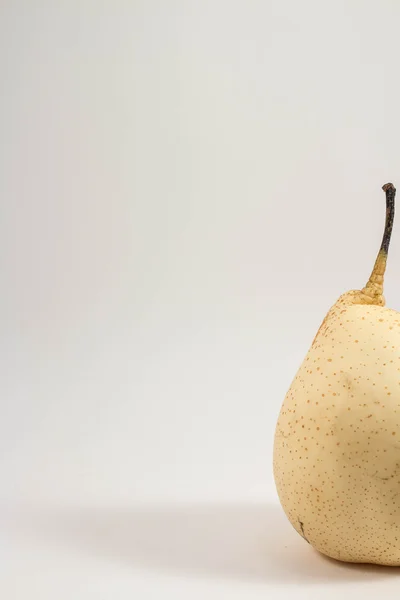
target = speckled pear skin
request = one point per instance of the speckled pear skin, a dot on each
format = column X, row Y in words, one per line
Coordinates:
column 337, row 440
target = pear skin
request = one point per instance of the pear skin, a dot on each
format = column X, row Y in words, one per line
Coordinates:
column 337, row 440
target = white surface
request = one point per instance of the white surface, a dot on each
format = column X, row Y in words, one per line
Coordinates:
column 214, row 550
column 186, row 187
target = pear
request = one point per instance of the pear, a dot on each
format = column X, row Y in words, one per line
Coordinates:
column 337, row 440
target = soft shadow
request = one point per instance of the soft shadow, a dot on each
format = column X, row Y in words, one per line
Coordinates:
column 251, row 542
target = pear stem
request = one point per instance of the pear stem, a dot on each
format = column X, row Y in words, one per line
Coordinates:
column 374, row 287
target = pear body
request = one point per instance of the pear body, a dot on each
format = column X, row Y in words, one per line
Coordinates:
column 337, row 440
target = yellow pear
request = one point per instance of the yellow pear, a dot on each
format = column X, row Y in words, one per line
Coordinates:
column 337, row 440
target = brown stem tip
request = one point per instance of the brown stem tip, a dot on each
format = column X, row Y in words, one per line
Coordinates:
column 388, row 186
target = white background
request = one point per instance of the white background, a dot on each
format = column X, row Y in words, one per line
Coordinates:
column 186, row 187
